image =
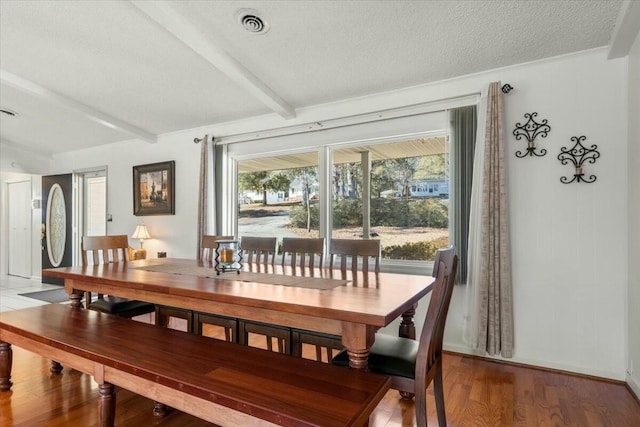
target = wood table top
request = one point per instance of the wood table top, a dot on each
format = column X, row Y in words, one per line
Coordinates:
column 372, row 299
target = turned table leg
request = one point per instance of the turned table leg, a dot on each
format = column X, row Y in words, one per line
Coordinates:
column 6, row 362
column 76, row 298
column 408, row 330
column 359, row 359
column 160, row 409
column 407, row 326
column 106, row 405
column 76, row 301
column 56, row 368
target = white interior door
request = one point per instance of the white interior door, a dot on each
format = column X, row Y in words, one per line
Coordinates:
column 95, row 204
column 19, row 247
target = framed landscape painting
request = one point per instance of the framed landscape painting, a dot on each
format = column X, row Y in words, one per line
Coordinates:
column 153, row 189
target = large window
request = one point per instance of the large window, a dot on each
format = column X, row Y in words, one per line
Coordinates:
column 278, row 196
column 403, row 180
column 404, row 204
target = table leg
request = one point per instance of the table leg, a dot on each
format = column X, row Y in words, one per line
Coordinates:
column 408, row 330
column 407, row 326
column 106, row 405
column 358, row 339
column 56, row 368
column 76, row 298
column 359, row 359
column 6, row 362
column 160, row 409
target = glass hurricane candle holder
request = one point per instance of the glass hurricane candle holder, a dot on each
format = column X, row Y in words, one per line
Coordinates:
column 228, row 256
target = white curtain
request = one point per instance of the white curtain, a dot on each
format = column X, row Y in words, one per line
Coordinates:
column 488, row 322
column 203, row 192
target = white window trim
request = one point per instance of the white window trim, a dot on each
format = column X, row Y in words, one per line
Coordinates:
column 325, row 164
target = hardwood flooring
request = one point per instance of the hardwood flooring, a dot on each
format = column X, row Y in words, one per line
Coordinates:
column 477, row 393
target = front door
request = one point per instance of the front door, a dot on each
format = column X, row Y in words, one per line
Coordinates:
column 57, row 251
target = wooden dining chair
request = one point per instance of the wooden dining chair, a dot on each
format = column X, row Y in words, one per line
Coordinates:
column 104, row 250
column 355, row 252
column 307, row 251
column 261, row 251
column 208, row 246
column 413, row 365
column 214, row 325
column 350, row 252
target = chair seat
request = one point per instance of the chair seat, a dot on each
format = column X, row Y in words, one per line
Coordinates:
column 121, row 306
column 389, row 355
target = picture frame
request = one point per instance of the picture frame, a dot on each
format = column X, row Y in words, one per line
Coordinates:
column 154, row 189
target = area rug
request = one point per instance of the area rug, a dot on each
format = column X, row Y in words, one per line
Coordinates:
column 51, row 295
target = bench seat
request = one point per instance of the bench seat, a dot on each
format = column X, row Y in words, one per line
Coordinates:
column 220, row 382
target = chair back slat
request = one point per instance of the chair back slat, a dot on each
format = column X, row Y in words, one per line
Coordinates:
column 304, row 249
column 105, row 249
column 259, row 250
column 350, row 250
column 208, row 246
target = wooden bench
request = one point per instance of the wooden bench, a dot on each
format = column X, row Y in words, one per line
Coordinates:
column 220, row 382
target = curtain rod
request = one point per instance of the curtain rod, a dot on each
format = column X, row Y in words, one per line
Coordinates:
column 380, row 115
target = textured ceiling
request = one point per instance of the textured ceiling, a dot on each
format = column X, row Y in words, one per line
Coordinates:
column 70, row 66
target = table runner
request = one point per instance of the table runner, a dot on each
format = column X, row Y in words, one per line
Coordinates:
column 248, row 276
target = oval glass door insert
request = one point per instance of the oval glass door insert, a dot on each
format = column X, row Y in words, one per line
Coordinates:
column 56, row 225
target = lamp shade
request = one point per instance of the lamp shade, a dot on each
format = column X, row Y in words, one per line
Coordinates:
column 141, row 232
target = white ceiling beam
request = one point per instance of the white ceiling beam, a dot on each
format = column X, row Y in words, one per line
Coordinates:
column 91, row 113
column 626, row 30
column 163, row 13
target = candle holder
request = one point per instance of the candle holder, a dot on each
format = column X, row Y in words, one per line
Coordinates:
column 228, row 256
column 578, row 156
column 530, row 131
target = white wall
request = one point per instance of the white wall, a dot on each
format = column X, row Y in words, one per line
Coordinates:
column 569, row 269
column 174, row 234
column 36, row 220
column 633, row 297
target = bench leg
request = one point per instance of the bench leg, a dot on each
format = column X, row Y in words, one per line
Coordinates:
column 6, row 361
column 106, row 405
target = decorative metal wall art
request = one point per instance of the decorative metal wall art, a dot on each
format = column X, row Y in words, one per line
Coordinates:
column 578, row 155
column 530, row 130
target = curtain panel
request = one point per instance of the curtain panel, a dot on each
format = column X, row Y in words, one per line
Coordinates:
column 489, row 317
column 464, row 124
column 203, row 192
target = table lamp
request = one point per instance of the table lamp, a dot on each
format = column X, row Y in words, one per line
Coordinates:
column 141, row 233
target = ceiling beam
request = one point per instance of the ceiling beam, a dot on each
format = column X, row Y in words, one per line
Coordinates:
column 626, row 30
column 91, row 113
column 163, row 13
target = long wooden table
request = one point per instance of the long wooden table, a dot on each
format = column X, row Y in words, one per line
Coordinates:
column 354, row 306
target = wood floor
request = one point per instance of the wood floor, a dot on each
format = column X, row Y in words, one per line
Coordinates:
column 477, row 393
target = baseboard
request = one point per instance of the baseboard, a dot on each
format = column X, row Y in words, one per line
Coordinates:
column 634, row 387
column 542, row 364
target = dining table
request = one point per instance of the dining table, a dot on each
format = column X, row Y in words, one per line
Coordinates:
column 353, row 305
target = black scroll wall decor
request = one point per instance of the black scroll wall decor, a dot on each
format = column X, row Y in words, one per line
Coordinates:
column 531, row 130
column 578, row 155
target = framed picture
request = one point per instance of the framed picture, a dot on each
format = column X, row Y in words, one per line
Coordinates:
column 153, row 189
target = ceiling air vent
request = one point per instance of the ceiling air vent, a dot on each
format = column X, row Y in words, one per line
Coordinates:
column 251, row 21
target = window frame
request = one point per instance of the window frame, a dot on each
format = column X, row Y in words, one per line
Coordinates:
column 325, row 169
